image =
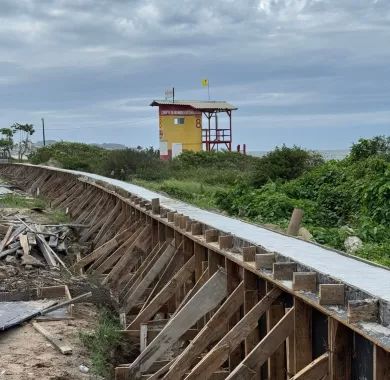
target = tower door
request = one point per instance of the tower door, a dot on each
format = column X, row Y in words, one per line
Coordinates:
column 177, row 148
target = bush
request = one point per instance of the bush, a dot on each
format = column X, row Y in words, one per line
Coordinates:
column 365, row 148
column 74, row 156
column 284, row 164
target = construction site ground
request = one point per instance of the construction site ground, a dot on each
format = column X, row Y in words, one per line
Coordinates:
column 24, row 352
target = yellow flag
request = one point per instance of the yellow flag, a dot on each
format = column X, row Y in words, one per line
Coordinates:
column 205, row 82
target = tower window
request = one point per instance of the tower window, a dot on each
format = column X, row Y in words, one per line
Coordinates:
column 178, row 120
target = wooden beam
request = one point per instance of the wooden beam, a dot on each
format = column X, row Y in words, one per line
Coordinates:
column 61, row 346
column 211, row 332
column 214, row 358
column 381, row 364
column 107, row 261
column 249, row 253
column 332, row 294
column 316, row 370
column 211, row 235
column 284, row 271
column 267, row 346
column 306, row 281
column 277, row 361
column 303, row 334
column 134, row 296
column 251, row 297
column 165, row 294
column 363, row 310
column 225, row 241
column 340, row 352
column 205, row 300
column 265, row 260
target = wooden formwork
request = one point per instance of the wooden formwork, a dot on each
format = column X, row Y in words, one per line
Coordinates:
column 202, row 304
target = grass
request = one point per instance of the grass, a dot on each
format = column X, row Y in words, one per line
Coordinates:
column 196, row 193
column 59, row 217
column 102, row 343
column 19, row 201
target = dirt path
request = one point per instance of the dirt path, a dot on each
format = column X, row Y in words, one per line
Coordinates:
column 26, row 354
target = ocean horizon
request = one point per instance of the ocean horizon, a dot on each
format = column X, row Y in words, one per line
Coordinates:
column 331, row 154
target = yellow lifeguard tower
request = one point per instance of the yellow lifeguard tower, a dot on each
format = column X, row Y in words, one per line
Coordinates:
column 180, row 126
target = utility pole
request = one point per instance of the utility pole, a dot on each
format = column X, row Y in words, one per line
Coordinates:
column 43, row 131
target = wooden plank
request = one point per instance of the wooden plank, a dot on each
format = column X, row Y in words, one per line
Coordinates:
column 24, row 244
column 264, row 260
column 177, row 261
column 134, row 278
column 267, row 346
column 233, row 280
column 284, row 271
column 303, row 334
column 251, row 297
column 203, row 279
column 205, row 300
column 6, row 237
column 249, row 253
column 316, row 370
column 276, row 362
column 211, row 235
column 61, row 346
column 105, row 249
column 332, row 294
column 215, row 328
column 340, row 343
column 128, row 255
column 290, row 352
column 46, row 251
column 214, row 359
column 134, row 296
column 306, row 281
column 225, row 241
column 381, row 364
column 165, row 294
column 363, row 310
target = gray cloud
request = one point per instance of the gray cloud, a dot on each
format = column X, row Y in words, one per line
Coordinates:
column 91, row 67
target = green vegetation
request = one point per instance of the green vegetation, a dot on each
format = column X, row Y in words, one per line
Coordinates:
column 102, row 343
column 342, row 198
column 20, row 201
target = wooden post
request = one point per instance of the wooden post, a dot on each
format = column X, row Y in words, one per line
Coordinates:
column 276, row 363
column 302, row 333
column 156, row 205
column 381, row 364
column 340, row 343
column 295, row 222
column 250, row 299
column 206, row 299
column 233, row 280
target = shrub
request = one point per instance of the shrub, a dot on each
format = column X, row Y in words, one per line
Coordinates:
column 75, row 156
column 284, row 164
column 377, row 146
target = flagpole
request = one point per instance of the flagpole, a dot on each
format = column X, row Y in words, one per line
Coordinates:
column 208, row 88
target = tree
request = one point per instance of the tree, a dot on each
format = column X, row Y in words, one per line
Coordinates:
column 25, row 131
column 377, row 146
column 6, row 141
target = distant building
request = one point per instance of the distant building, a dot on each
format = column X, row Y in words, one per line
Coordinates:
column 180, row 126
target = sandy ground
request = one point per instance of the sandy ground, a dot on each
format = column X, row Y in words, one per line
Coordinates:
column 26, row 354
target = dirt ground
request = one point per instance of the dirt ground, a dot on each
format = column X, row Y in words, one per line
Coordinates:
column 26, row 354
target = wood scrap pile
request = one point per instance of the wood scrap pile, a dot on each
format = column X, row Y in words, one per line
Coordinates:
column 30, row 245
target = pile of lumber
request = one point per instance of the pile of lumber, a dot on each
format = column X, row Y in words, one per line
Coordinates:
column 33, row 245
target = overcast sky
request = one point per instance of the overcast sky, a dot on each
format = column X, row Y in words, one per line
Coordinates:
column 308, row 72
